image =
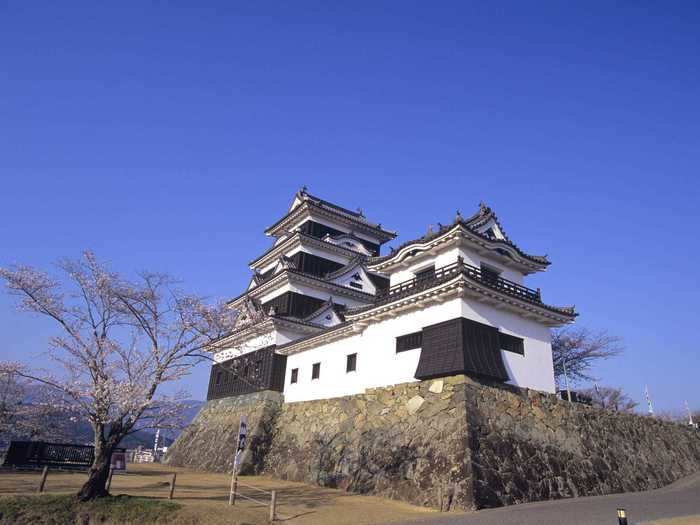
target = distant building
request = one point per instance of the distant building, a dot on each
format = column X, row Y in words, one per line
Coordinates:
column 326, row 315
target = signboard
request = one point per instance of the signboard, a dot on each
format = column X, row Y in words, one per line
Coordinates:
column 118, row 463
column 242, row 431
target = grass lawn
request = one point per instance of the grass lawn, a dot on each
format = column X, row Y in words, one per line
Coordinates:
column 202, row 499
column 48, row 509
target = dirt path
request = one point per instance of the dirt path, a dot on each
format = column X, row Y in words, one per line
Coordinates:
column 205, row 497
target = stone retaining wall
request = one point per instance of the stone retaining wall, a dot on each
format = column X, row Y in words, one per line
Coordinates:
column 407, row 442
column 209, row 442
column 530, row 446
column 450, row 443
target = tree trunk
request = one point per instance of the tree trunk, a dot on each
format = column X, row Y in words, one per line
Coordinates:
column 95, row 486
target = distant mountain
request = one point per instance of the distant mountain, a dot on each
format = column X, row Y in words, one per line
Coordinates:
column 144, row 438
column 80, row 432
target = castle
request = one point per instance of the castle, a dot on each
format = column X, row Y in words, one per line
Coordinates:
column 326, row 315
column 422, row 374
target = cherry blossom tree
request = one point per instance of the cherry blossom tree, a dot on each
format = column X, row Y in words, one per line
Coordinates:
column 119, row 341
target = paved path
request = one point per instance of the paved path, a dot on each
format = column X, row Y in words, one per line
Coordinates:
column 678, row 499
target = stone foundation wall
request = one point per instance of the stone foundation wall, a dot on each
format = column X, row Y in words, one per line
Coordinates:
column 530, row 446
column 407, row 442
column 450, row 443
column 209, row 442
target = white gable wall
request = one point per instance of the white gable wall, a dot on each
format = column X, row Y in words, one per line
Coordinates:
column 448, row 257
column 365, row 281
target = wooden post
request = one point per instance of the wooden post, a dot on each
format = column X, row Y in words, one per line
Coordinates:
column 109, row 479
column 172, row 485
column 43, row 479
column 439, row 491
column 273, row 505
column 234, row 487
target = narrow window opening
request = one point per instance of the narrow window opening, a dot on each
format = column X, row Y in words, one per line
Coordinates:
column 351, row 363
column 316, row 371
column 295, row 375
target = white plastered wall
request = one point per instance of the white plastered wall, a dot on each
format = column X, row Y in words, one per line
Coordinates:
column 378, row 364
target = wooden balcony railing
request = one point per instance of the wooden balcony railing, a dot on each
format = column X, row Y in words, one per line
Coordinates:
column 445, row 273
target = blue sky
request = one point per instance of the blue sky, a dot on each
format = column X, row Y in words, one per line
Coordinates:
column 168, row 136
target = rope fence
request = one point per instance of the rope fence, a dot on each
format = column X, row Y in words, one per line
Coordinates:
column 236, row 493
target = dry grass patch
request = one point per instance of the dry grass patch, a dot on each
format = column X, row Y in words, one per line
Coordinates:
column 685, row 520
column 204, row 497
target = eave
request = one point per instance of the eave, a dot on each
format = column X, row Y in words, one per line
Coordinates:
column 333, row 333
column 464, row 287
column 460, row 286
column 268, row 325
column 294, row 276
column 310, row 209
column 299, row 239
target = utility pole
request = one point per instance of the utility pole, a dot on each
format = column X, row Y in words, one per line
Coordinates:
column 155, row 445
column 566, row 381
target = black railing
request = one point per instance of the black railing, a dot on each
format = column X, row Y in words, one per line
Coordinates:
column 445, row 273
column 502, row 285
column 37, row 454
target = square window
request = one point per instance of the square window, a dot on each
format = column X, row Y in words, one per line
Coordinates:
column 295, row 375
column 351, row 363
column 316, row 371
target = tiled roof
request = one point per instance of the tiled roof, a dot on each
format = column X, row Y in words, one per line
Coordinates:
column 356, row 216
column 483, row 216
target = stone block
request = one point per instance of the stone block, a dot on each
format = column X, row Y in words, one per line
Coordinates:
column 413, row 405
column 437, row 386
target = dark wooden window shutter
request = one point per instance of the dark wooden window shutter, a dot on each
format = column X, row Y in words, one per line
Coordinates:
column 511, row 343
column 461, row 346
column 351, row 363
column 409, row 341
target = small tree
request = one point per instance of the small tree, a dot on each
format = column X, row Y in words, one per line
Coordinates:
column 119, row 341
column 31, row 411
column 576, row 350
column 611, row 398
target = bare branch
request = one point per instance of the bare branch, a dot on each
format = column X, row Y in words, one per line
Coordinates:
column 578, row 349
